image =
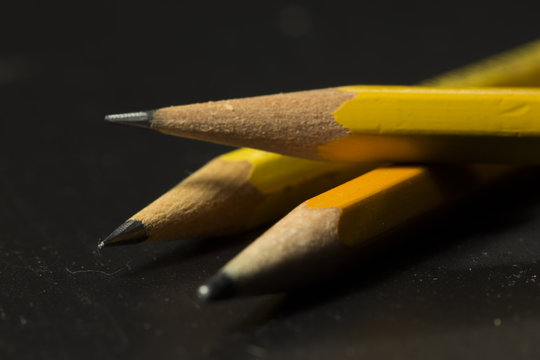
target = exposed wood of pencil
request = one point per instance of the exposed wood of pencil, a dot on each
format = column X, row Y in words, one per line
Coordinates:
column 316, row 235
column 277, row 123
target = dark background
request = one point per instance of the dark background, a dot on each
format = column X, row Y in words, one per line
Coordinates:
column 466, row 287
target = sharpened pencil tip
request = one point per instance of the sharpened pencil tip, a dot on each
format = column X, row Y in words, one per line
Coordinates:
column 219, row 287
column 130, row 232
column 139, row 118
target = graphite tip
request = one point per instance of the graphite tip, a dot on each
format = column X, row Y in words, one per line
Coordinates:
column 139, row 118
column 130, row 232
column 218, row 287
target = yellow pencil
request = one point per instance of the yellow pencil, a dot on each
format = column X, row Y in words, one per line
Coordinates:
column 311, row 239
column 516, row 67
column 235, row 192
column 369, row 124
column 261, row 186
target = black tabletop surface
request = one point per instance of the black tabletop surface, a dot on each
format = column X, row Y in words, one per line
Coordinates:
column 467, row 286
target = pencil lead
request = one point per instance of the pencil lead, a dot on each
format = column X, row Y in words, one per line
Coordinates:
column 139, row 118
column 218, row 287
column 130, row 232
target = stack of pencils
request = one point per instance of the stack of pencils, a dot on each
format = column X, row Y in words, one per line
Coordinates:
column 353, row 163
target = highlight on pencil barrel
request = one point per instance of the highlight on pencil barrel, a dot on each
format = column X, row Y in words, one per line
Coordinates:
column 371, row 124
column 235, row 192
column 323, row 231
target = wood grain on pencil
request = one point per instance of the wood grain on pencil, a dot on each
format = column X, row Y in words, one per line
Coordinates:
column 272, row 122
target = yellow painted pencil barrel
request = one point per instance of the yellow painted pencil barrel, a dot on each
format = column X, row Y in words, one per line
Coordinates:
column 425, row 124
column 388, row 197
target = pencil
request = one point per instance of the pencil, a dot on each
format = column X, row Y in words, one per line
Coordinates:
column 369, row 124
column 519, row 66
column 362, row 210
column 235, row 192
column 311, row 239
column 266, row 185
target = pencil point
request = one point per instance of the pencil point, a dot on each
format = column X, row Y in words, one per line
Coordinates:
column 219, row 287
column 130, row 232
column 139, row 118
